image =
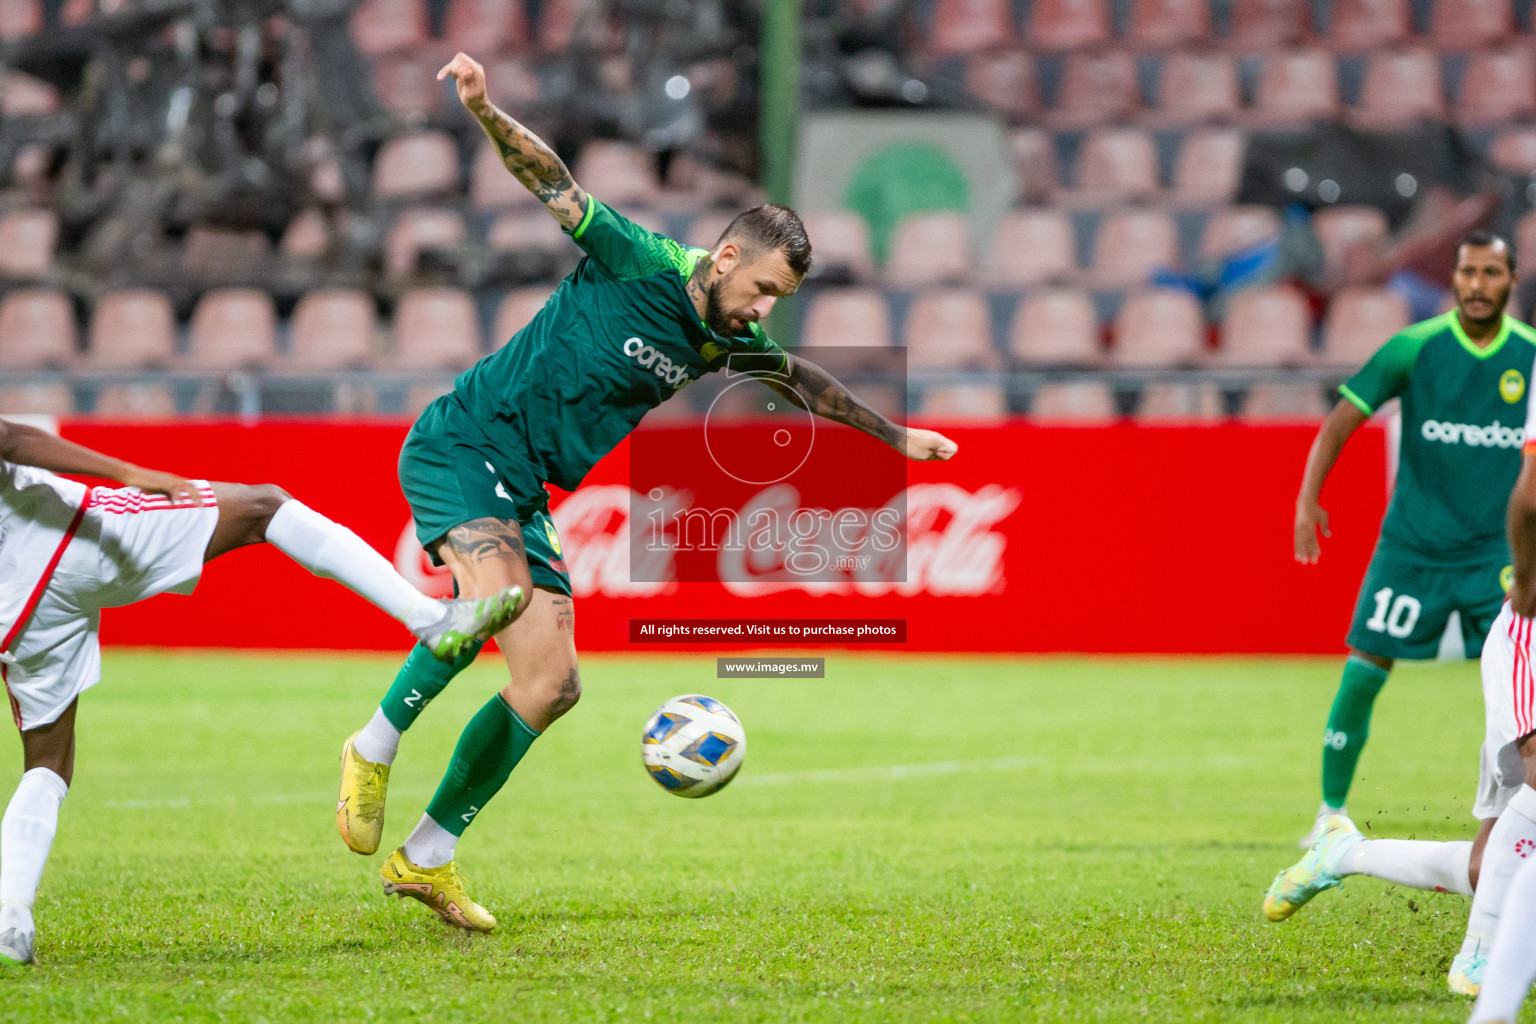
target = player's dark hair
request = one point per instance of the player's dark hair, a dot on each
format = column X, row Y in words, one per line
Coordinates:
column 772, row 227
column 1482, row 238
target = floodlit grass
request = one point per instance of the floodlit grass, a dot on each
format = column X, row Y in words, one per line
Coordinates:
column 911, row 839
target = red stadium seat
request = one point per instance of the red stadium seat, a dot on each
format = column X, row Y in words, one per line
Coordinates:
column 950, row 328
column 492, row 186
column 389, row 26
column 1525, row 233
column 839, row 240
column 1132, row 245
column 1259, row 25
column 1359, row 321
column 27, row 241
column 584, row 24
column 20, row 19
column 37, row 330
column 1237, row 228
column 417, row 166
column 233, row 328
column 1297, row 86
column 1369, row 24
column 1515, row 150
column 1056, row 327
column 307, row 237
column 528, row 231
column 1096, row 88
column 416, row 230
column 1117, row 164
column 1032, row 247
column 1163, row 402
column 36, row 400
column 617, row 173
column 1401, row 87
column 1005, row 82
column 334, row 329
column 1208, row 167
column 848, row 318
column 1268, row 326
column 436, row 329
column 930, row 248
column 1284, row 402
column 1343, row 230
column 1500, row 85
column 514, row 79
column 1068, row 24
column 705, row 230
column 1159, row 327
column 22, row 95
column 1032, row 153
column 133, row 329
column 970, row 26
column 1166, row 24
column 135, row 400
column 1084, row 402
column 965, row 402
column 406, row 84
column 1199, row 86
column 517, row 308
column 1469, row 24
column 481, row 25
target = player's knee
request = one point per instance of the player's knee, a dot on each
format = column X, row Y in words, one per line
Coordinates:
column 562, row 693
column 260, row 504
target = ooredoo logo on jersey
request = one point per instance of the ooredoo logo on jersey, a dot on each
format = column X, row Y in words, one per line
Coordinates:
column 648, row 356
column 1494, row 435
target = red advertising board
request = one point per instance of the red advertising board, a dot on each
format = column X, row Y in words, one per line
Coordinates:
column 1126, row 538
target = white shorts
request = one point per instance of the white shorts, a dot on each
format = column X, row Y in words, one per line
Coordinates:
column 130, row 545
column 1509, row 706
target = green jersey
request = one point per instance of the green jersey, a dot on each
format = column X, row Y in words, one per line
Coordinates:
column 618, row 337
column 1463, row 426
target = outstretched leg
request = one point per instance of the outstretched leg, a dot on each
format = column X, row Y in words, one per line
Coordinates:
column 1349, row 724
column 28, row 827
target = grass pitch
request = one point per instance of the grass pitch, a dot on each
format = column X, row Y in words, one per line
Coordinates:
column 911, row 839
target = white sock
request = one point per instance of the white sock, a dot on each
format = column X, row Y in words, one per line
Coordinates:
column 331, row 550
column 1512, row 965
column 1438, row 867
column 1513, row 836
column 26, row 835
column 429, row 844
column 379, row 741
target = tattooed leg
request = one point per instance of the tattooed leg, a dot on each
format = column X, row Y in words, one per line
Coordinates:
column 541, row 657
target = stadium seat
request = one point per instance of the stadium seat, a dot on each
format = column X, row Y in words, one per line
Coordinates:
column 1209, row 167
column 76, row 12
column 1259, row 25
column 406, row 84
column 421, row 165
column 1342, row 230
column 1284, row 402
column 1500, row 85
column 930, row 248
column 20, row 19
column 36, row 400
column 1068, row 24
column 847, row 318
column 233, row 328
column 1362, row 25
column 22, row 95
column 1296, row 86
column 950, row 328
column 492, row 186
column 419, row 229
column 1236, row 228
column 27, row 240
column 1400, row 88
column 1515, row 150
column 1096, row 88
column 515, row 79
column 970, row 26
column 135, row 400
column 705, row 230
column 436, row 329
column 1132, row 245
column 1163, row 402
column 1166, row 24
column 1056, row 327
column 307, row 237
column 516, row 309
column 1269, row 326
column 617, row 172
column 584, row 24
column 334, row 329
column 1005, row 82
column 486, row 25
column 1359, row 321
column 1525, row 234
column 1196, row 87
column 839, row 242
column 965, row 402
column 132, row 329
column 1032, row 154
column 1116, row 164
column 389, row 26
column 1031, row 247
column 37, row 330
column 218, row 255
column 1159, row 327
column 528, row 231
column 1085, row 401
column 1470, row 24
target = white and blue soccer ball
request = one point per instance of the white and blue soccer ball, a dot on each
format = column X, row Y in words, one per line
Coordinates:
column 693, row 745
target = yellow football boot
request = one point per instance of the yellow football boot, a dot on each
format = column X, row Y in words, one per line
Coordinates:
column 441, row 889
column 360, row 808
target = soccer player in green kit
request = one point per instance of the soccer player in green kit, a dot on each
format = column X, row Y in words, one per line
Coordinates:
column 639, row 318
column 1461, row 378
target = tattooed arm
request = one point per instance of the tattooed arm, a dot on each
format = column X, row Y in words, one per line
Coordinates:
column 528, row 158
column 821, row 393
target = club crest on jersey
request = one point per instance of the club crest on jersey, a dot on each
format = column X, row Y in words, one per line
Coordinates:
column 1512, row 386
column 648, row 356
column 554, row 538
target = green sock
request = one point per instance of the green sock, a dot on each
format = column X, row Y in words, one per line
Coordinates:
column 421, row 678
column 1349, row 723
column 489, row 748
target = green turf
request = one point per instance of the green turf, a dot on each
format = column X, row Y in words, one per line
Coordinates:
column 1083, row 839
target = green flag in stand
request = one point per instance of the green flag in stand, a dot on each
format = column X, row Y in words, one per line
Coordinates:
column 903, row 179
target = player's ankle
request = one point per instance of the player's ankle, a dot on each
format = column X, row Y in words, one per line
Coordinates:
column 379, row 740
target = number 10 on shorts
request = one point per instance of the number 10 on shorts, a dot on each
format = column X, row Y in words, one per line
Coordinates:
column 1395, row 618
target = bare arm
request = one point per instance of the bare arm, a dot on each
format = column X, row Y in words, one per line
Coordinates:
column 1343, row 421
column 27, row 446
column 1522, row 538
column 528, row 158
column 823, row 395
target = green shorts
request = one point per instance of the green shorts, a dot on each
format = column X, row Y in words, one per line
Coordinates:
column 449, row 477
column 1407, row 598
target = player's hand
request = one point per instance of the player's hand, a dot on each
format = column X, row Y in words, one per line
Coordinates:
column 469, row 76
column 1311, row 518
column 926, row 445
column 169, row 484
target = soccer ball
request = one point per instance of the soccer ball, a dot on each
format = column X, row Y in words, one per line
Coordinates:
column 693, row 745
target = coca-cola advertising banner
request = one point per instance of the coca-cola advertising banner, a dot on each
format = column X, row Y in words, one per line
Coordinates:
column 1120, row 539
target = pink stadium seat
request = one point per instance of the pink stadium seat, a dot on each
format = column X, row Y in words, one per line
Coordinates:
column 136, row 401
column 515, row 80
column 965, row 402
column 930, row 248
column 617, row 173
column 418, row 229
column 839, row 239
column 1236, row 228
column 848, row 318
column 37, row 330
column 36, row 400
column 1268, row 326
column 1085, row 402
column 1032, row 153
column 1159, row 327
column 1515, row 150
column 1132, row 245
column 1162, row 402
column 950, row 327
column 21, row 95
column 1342, row 230
column 1198, row 86
column 389, row 26
column 705, row 230
column 1369, row 24
column 1401, row 87
column 1296, row 86
column 1500, row 85
column 585, row 24
column 215, row 254
column 1359, row 321
column 306, row 238
column 76, row 12
column 1056, row 327
column 1166, row 24
column 1095, row 88
column 233, row 328
column 1268, row 24
column 1208, row 167
column 1469, row 24
column 27, row 241
column 334, row 329
column 529, row 231
column 1068, row 24
column 1525, row 233
column 416, row 166
column 20, row 19
column 492, row 186
column 518, row 307
column 1032, row 247
column 436, row 329
column 1284, row 402
column 1005, row 82
column 1117, row 164
column 486, row 25
column 133, row 329
column 970, row 26
column 406, row 84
